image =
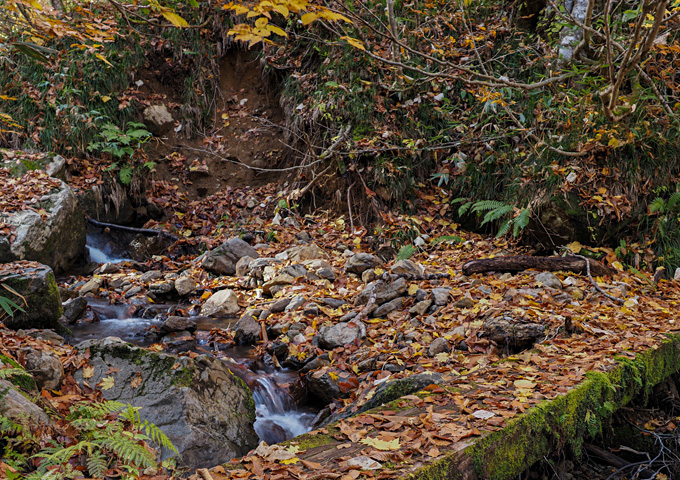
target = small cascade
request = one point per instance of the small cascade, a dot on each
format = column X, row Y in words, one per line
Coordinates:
column 277, row 417
column 102, row 250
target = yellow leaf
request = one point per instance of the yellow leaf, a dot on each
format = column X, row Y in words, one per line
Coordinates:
column 332, row 16
column 290, row 461
column 261, row 22
column 381, row 444
column 613, row 142
column 137, row 381
column 175, row 19
column 238, row 9
column 308, row 18
column 106, row 98
column 103, row 58
column 282, row 10
column 276, row 30
column 333, row 375
column 618, row 266
column 412, row 289
column 575, row 247
column 35, row 4
column 106, row 383
column 379, row 271
column 354, row 42
column 88, row 371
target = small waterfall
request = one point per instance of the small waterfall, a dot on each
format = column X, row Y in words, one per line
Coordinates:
column 103, row 250
column 278, row 418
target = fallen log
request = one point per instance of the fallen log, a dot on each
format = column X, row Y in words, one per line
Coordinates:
column 143, row 231
column 517, row 263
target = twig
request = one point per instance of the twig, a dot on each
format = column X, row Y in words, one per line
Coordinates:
column 143, row 231
column 592, row 281
column 349, row 207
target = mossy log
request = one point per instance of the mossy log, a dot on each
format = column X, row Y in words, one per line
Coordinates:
column 517, row 263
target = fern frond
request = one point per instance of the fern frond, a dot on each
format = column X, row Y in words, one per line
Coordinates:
column 462, row 210
column 497, row 213
column 521, row 221
column 673, row 201
column 157, row 435
column 97, row 464
column 13, row 372
column 504, row 228
column 657, row 205
column 484, row 205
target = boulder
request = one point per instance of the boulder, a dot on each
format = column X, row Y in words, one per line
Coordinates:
column 441, row 295
column 185, row 285
column 46, row 368
column 247, row 331
column 54, row 236
column 388, row 307
column 15, row 406
column 438, row 345
column 36, row 284
column 511, row 332
column 362, row 261
column 203, row 408
column 339, row 334
column 305, row 252
column 178, row 324
column 548, row 279
column 329, row 383
column 222, row 304
column 158, row 119
column 407, row 267
column 384, row 292
column 74, row 308
column 242, row 267
column 223, row 259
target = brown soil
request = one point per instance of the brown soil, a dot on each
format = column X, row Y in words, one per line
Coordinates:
column 246, row 130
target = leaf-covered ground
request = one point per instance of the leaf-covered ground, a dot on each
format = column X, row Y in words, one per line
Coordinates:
column 482, row 385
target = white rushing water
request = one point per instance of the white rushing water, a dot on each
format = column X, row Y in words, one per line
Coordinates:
column 102, row 250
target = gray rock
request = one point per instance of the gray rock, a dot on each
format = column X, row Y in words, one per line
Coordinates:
column 279, row 305
column 133, row 291
column 158, row 119
column 221, row 304
column 388, row 307
column 185, row 285
column 108, row 268
column 441, row 295
column 331, row 302
column 39, row 296
column 243, row 266
column 326, row 273
column 339, row 335
column 465, row 302
column 517, row 333
column 57, row 167
column 438, row 345
column 280, row 280
column 311, row 309
column 305, row 252
column 74, row 308
column 45, row 336
column 178, row 324
column 45, row 367
column 407, row 267
column 368, row 276
column 420, row 308
column 360, row 262
column 205, row 410
column 324, row 384
column 348, row 316
column 548, row 279
column 223, row 259
column 161, row 288
column 247, row 331
column 296, row 303
column 150, row 276
column 15, row 406
column 57, row 240
column 384, row 292
column 421, row 295
column 295, row 271
column 92, row 285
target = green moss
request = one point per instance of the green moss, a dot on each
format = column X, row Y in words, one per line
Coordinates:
column 26, row 383
column 562, row 423
column 184, row 377
column 309, row 441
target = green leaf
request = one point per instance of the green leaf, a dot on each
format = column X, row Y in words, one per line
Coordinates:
column 406, row 252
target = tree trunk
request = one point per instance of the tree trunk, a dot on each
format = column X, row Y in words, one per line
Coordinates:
column 524, row 262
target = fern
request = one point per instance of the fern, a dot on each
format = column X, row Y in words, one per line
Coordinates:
column 496, row 213
column 406, row 252
column 462, row 210
column 97, row 464
column 657, row 205
column 673, row 201
column 484, row 205
column 504, row 228
column 151, row 430
column 521, row 221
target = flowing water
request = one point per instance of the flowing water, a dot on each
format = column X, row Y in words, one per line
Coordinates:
column 102, row 249
column 278, row 418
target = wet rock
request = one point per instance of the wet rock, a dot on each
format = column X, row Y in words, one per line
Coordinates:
column 143, row 247
column 360, row 262
column 185, row 285
column 45, row 367
column 92, row 285
column 305, row 252
column 108, row 268
column 150, row 276
column 386, row 308
column 178, row 324
column 158, row 119
column 243, row 266
column 223, row 303
column 517, row 333
column 131, row 292
column 272, row 433
column 39, row 295
column 441, row 295
column 161, row 288
column 247, row 331
column 407, row 267
column 179, row 341
column 420, row 308
column 324, row 384
column 384, row 292
column 296, row 303
column 223, row 259
column 279, row 349
column 339, row 334
column 548, row 279
column 320, row 361
column 279, row 305
column 56, row 238
column 44, row 335
column 74, row 308
column 439, row 345
column 205, row 410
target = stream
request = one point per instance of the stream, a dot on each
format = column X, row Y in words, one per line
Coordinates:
column 278, row 417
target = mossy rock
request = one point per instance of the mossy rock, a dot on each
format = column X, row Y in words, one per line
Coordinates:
column 39, row 295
